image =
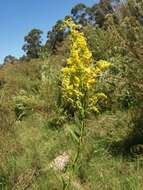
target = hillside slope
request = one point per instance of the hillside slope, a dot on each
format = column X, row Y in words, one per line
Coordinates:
column 34, row 132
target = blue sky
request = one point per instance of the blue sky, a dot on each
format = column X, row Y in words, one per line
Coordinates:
column 18, row 17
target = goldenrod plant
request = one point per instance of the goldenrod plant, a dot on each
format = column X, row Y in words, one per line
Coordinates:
column 79, row 78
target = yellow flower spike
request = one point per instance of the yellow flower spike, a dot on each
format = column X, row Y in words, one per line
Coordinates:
column 79, row 75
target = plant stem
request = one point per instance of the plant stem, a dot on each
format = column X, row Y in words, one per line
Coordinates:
column 76, row 155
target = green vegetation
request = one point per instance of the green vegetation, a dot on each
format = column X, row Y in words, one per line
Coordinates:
column 32, row 45
column 36, row 125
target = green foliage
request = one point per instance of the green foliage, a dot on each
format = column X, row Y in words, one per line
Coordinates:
column 57, row 119
column 79, row 14
column 94, row 15
column 55, row 37
column 99, row 11
column 56, row 122
column 32, row 45
column 121, row 45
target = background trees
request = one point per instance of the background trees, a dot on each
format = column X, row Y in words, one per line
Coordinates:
column 33, row 43
column 79, row 14
column 55, row 37
column 9, row 59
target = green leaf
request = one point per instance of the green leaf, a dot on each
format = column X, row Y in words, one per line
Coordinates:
column 74, row 135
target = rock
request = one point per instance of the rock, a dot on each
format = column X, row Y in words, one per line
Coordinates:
column 60, row 162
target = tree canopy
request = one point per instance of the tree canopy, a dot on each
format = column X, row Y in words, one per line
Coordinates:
column 33, row 43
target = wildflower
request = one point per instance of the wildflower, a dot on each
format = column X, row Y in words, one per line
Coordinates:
column 79, row 75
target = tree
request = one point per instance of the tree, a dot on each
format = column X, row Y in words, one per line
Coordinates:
column 33, row 42
column 9, row 59
column 79, row 14
column 93, row 15
column 55, row 36
column 99, row 11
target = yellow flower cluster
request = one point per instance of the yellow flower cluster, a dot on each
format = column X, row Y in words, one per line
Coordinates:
column 79, row 75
